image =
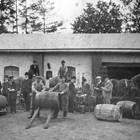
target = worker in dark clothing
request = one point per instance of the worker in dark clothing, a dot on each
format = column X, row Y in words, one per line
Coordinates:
column 62, row 70
column 63, row 96
column 26, row 90
column 72, row 94
column 5, row 87
column 12, row 94
column 34, row 69
column 37, row 86
column 98, row 90
column 86, row 90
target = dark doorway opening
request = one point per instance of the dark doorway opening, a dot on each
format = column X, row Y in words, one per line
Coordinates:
column 122, row 70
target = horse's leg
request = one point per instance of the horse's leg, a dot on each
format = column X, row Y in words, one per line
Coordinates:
column 32, row 119
column 46, row 126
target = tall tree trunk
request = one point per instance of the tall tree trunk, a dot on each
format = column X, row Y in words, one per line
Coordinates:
column 16, row 17
column 26, row 20
column 44, row 22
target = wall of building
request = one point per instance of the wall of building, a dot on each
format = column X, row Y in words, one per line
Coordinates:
column 21, row 60
column 81, row 61
column 121, row 58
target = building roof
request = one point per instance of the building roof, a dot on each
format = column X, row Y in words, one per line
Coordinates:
column 70, row 42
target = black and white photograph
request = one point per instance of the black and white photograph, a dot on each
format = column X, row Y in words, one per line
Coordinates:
column 69, row 70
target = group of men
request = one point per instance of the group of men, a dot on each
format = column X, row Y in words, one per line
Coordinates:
column 103, row 90
column 68, row 92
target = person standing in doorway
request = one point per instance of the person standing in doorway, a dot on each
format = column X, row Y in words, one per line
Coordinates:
column 107, row 90
column 62, row 87
column 34, row 69
column 98, row 90
column 37, row 86
column 62, row 70
column 72, row 94
column 12, row 88
column 26, row 90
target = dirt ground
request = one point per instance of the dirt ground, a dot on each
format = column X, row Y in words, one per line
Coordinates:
column 75, row 127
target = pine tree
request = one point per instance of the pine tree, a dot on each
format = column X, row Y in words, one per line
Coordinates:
column 104, row 18
column 132, row 16
column 7, row 17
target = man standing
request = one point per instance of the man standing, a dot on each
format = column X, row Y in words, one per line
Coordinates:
column 72, row 94
column 5, row 88
column 26, row 90
column 64, row 99
column 107, row 90
column 12, row 94
column 37, row 86
column 34, row 68
column 62, row 70
column 98, row 90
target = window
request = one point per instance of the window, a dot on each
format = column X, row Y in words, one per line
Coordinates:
column 11, row 70
column 71, row 72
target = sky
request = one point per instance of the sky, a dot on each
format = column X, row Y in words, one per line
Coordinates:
column 68, row 10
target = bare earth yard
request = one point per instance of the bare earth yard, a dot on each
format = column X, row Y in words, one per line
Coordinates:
column 75, row 127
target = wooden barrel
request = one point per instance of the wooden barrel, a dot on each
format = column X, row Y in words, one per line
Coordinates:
column 47, row 100
column 130, row 109
column 54, row 81
column 3, row 102
column 108, row 112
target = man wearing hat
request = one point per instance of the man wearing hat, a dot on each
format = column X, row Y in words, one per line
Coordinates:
column 12, row 88
column 34, row 69
column 107, row 90
column 86, row 90
column 62, row 70
column 5, row 87
column 72, row 94
column 98, row 90
column 62, row 87
column 26, row 90
column 37, row 86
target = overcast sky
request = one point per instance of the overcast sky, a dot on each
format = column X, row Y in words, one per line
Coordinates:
column 68, row 10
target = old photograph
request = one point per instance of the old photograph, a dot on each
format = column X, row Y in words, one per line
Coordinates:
column 70, row 69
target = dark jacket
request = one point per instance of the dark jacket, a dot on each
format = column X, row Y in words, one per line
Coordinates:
column 98, row 91
column 72, row 90
column 26, row 86
column 5, row 89
column 35, row 69
column 12, row 86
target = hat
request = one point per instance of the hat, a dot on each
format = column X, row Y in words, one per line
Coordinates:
column 11, row 77
column 62, row 61
column 26, row 73
column 73, row 77
column 105, row 76
column 34, row 61
column 98, row 77
column 38, row 77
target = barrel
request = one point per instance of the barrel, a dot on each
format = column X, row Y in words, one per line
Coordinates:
column 130, row 108
column 47, row 99
column 54, row 81
column 3, row 102
column 108, row 112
